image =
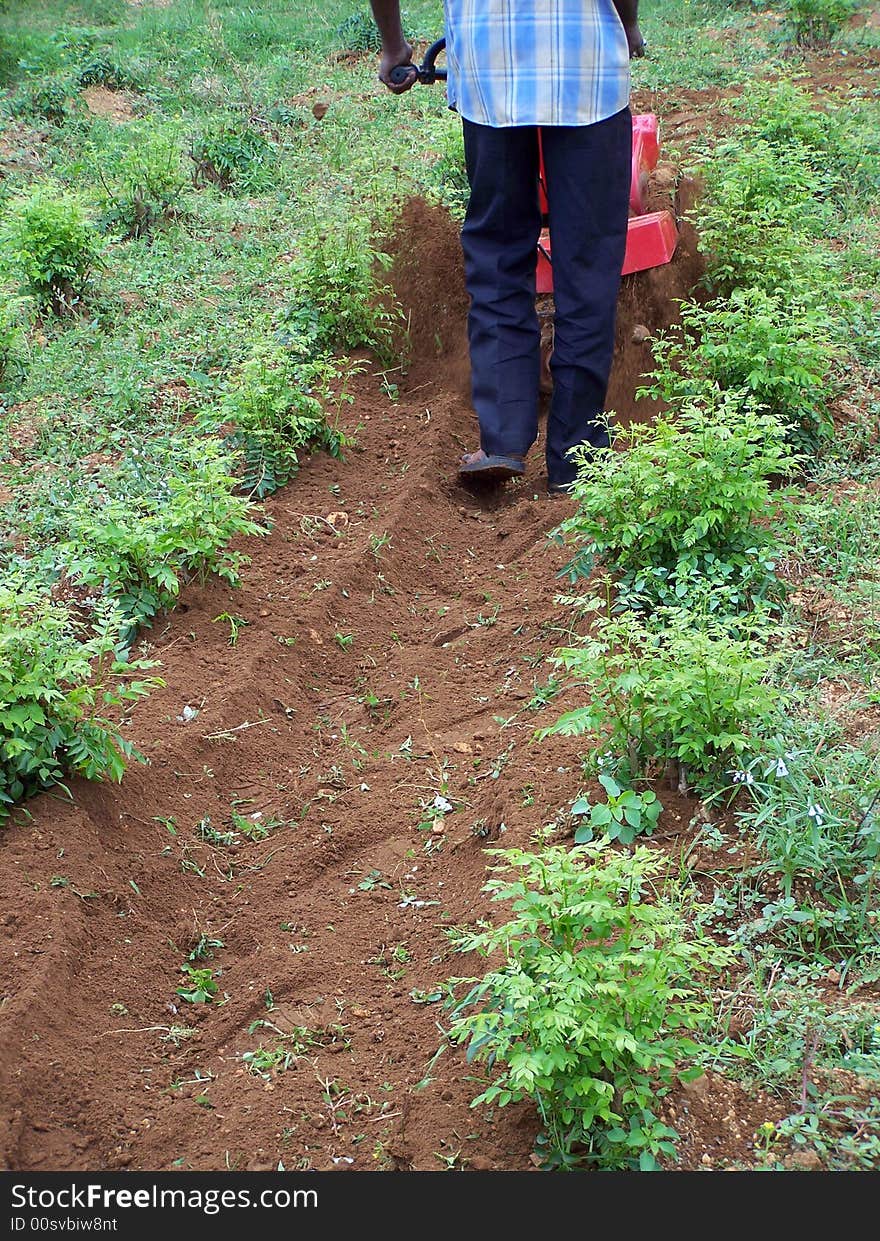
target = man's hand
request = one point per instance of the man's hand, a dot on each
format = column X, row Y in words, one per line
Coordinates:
column 628, row 12
column 393, row 57
column 395, row 49
column 635, row 40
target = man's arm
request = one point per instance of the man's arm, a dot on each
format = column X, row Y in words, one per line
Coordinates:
column 395, row 49
column 628, row 11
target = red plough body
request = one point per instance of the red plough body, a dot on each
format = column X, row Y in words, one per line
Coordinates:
column 651, row 237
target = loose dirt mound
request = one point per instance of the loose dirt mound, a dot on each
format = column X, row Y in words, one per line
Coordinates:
column 112, row 105
column 427, row 276
column 388, row 658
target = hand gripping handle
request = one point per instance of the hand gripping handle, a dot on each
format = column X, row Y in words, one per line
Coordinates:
column 427, row 72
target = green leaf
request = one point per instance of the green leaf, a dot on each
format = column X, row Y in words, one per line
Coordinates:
column 610, row 785
column 601, row 815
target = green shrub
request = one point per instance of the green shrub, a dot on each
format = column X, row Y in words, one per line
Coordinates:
column 814, row 23
column 12, row 315
column 285, row 114
column 840, row 144
column 277, row 407
column 76, row 41
column 100, row 70
column 231, row 155
column 808, row 806
column 625, row 815
column 47, row 100
column 58, row 681
column 780, row 353
column 449, row 174
column 688, row 510
column 760, row 218
column 51, row 245
column 140, row 550
column 199, row 986
column 588, row 1010
column 675, row 693
column 144, row 185
column 338, row 303
column 358, row 33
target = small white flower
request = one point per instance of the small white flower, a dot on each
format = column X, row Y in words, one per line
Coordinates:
column 743, row 777
column 779, row 768
column 816, row 813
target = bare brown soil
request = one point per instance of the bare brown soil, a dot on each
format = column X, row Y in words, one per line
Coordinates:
column 112, row 105
column 394, row 622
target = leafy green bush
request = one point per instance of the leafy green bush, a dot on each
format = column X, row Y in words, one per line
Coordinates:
column 840, row 144
column 677, row 693
column 51, row 246
column 625, row 815
column 759, row 220
column 337, row 301
column 277, row 407
column 588, row 1010
column 47, row 100
column 12, row 314
column 144, row 186
column 449, row 174
column 687, row 510
column 780, row 352
column 199, row 986
column 139, row 551
column 814, row 23
column 58, row 681
column 809, row 807
column 76, row 41
column 100, row 70
column 358, row 33
column 231, row 155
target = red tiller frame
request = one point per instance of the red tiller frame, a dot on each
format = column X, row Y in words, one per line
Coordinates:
column 651, row 236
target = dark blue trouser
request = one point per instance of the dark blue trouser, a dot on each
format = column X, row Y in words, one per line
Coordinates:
column 588, row 178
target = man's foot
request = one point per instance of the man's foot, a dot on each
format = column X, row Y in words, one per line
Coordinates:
column 489, row 467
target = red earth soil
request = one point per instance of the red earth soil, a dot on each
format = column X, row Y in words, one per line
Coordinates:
column 394, row 622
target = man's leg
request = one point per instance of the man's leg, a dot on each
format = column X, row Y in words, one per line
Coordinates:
column 588, row 171
column 499, row 239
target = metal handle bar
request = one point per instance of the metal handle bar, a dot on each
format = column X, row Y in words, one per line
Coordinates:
column 427, row 72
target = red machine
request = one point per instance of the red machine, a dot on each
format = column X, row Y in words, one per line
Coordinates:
column 651, row 236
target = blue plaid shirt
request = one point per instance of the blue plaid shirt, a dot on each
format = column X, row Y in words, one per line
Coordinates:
column 536, row 62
